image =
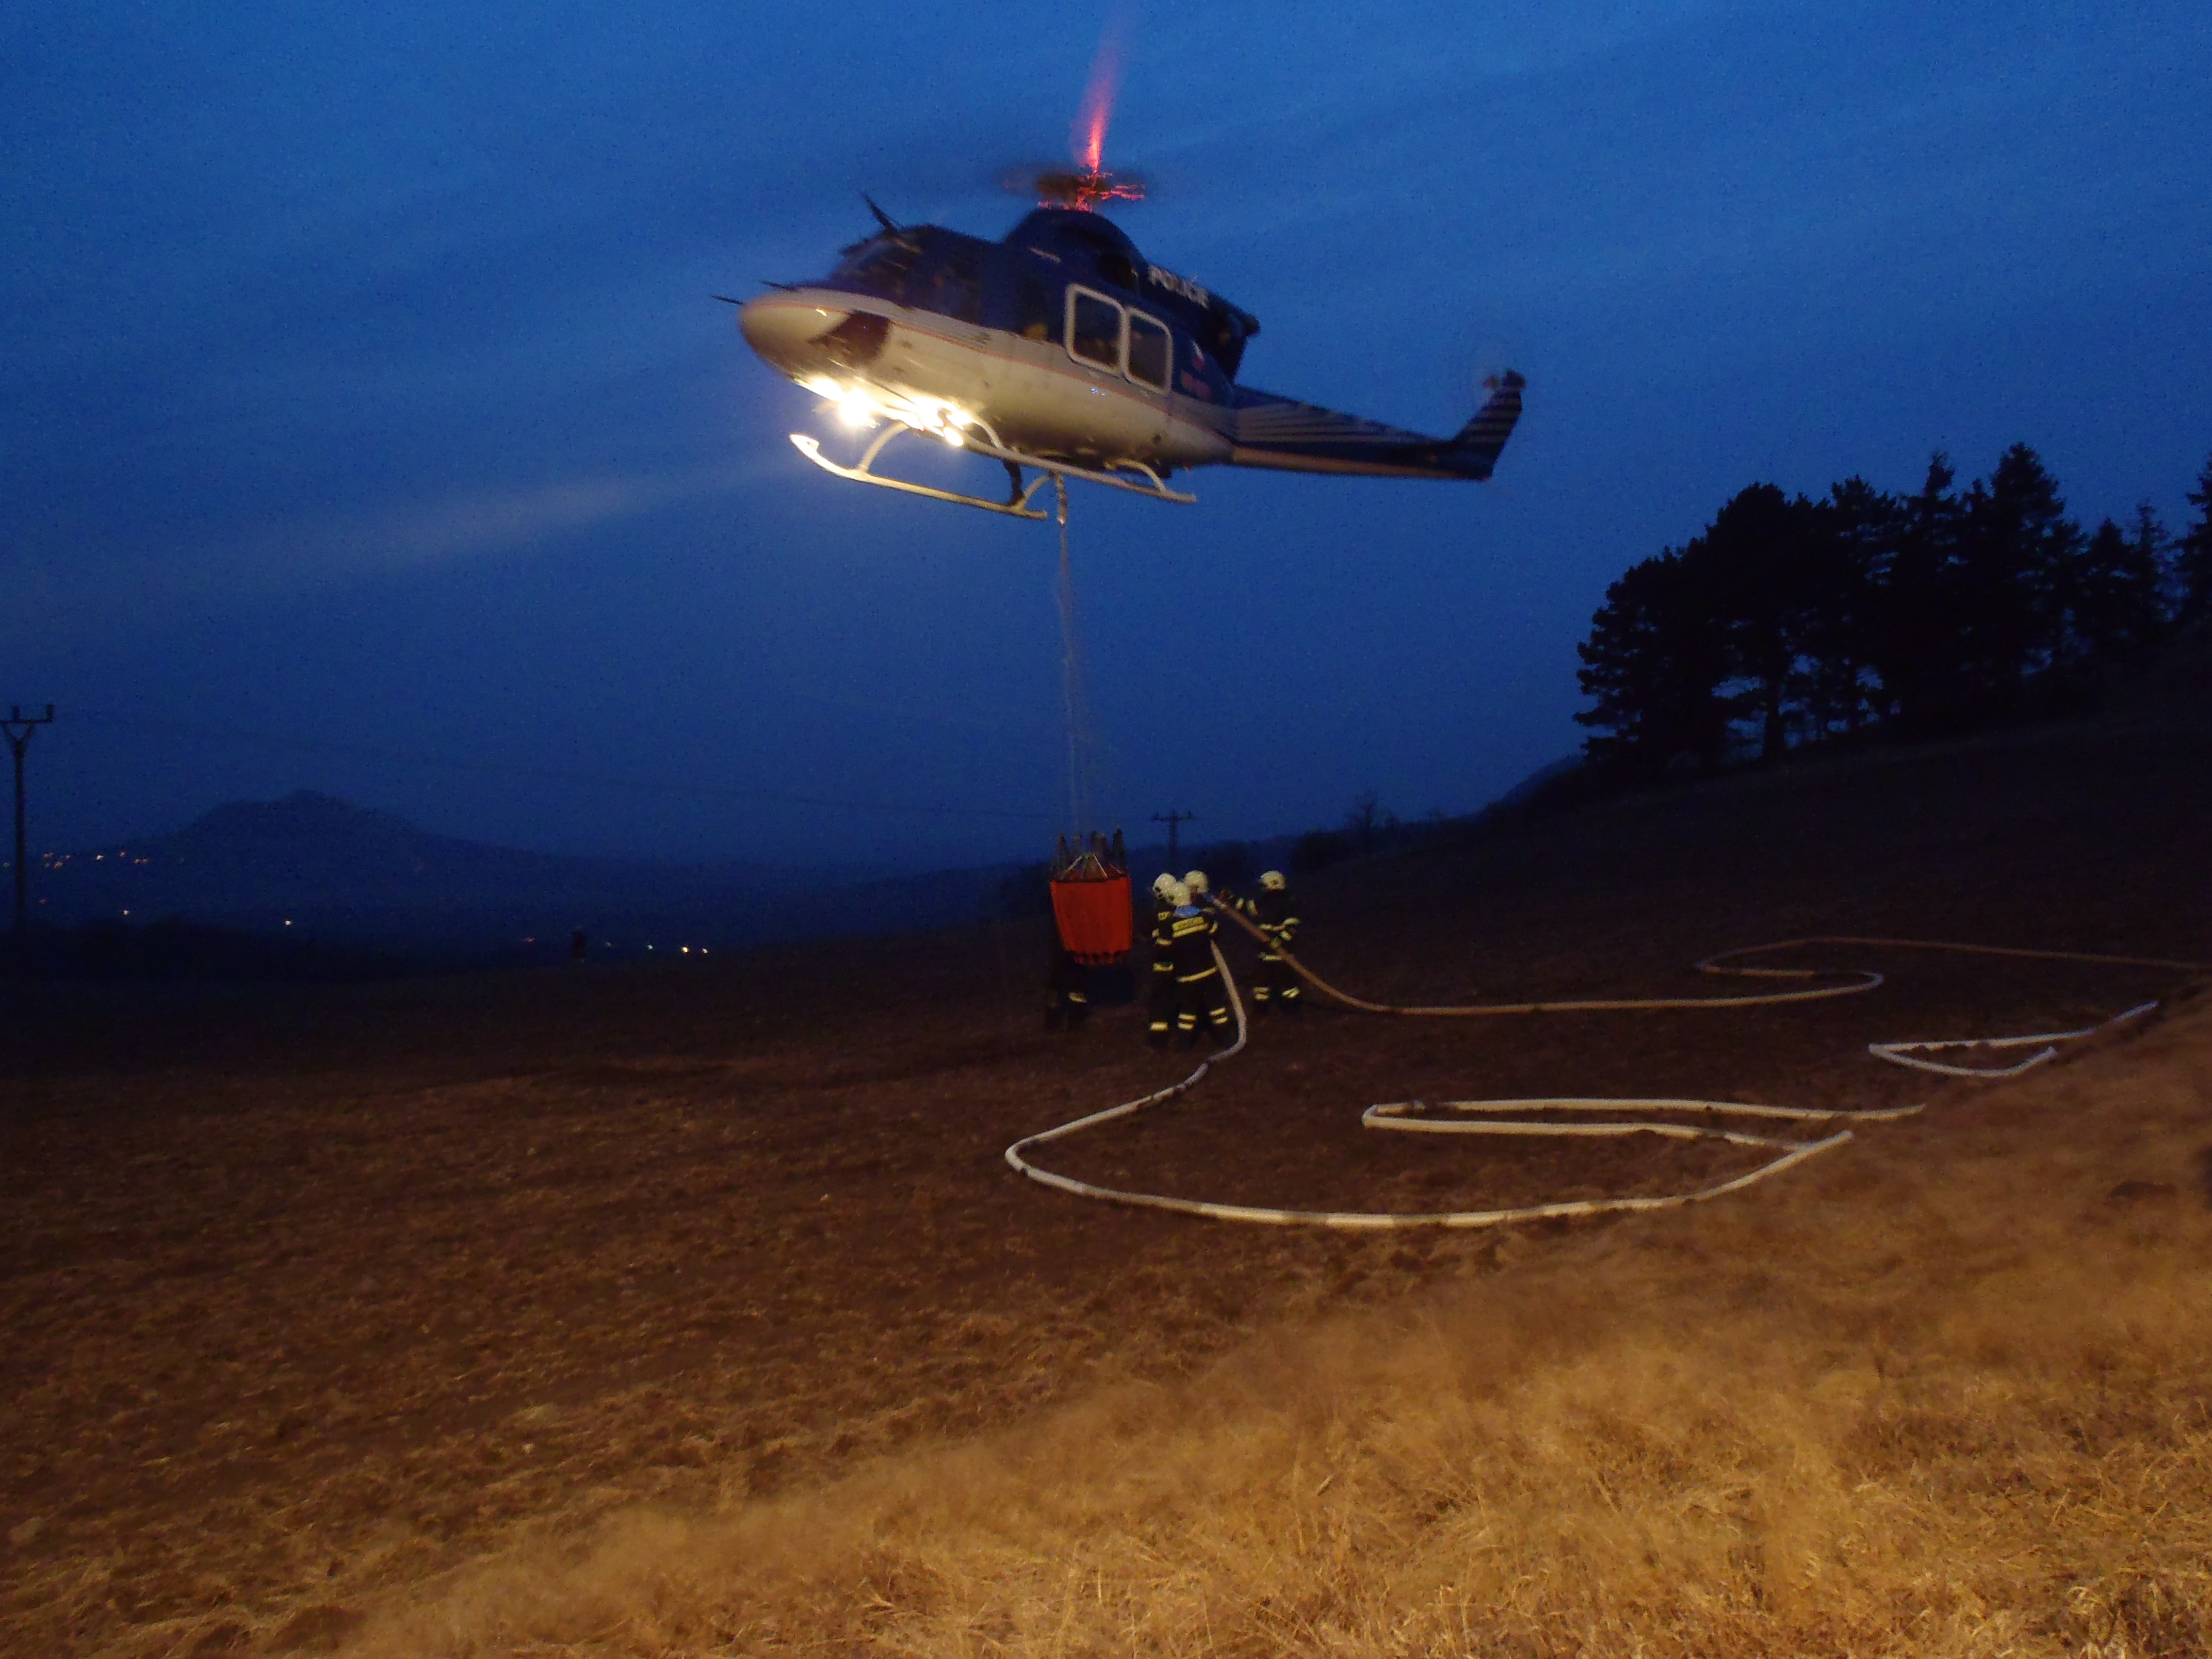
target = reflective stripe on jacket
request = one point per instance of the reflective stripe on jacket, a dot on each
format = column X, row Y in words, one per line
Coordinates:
column 1272, row 913
column 1194, row 943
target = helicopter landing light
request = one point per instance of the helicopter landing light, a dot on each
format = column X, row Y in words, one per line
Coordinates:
column 1136, row 476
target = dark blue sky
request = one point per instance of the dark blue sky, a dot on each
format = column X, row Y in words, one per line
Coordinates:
column 363, row 390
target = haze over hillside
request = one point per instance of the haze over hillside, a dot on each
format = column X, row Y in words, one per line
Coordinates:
column 314, row 863
column 311, row 861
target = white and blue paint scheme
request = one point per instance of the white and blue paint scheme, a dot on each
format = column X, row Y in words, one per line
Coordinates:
column 1062, row 349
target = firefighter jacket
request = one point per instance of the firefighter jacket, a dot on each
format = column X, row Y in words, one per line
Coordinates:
column 1276, row 917
column 1193, row 943
column 1163, row 938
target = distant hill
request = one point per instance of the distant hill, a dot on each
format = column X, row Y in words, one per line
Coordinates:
column 315, row 863
column 310, row 866
column 313, row 851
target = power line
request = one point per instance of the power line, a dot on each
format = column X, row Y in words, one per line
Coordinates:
column 19, row 726
column 541, row 774
column 1174, row 821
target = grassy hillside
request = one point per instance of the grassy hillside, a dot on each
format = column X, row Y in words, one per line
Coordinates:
column 690, row 1309
column 1942, row 1396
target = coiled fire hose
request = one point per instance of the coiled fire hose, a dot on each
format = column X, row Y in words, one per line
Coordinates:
column 1513, row 1117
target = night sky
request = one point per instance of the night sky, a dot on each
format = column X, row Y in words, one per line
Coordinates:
column 370, row 426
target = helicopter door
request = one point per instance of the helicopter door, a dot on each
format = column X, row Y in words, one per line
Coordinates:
column 1094, row 330
column 1152, row 350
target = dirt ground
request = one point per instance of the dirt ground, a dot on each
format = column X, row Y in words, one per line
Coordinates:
column 312, row 1295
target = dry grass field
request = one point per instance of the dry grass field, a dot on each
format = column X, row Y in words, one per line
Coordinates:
column 691, row 1311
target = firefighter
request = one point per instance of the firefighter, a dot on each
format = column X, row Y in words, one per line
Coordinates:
column 1199, row 990
column 1067, row 989
column 1162, row 1000
column 1274, row 986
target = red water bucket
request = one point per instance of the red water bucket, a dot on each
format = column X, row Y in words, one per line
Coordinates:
column 1093, row 915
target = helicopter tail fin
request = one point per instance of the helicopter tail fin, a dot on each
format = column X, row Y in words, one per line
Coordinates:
column 1476, row 448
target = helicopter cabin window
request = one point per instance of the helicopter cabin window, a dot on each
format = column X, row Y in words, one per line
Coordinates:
column 883, row 265
column 1033, row 309
column 1152, row 349
column 1094, row 329
column 955, row 288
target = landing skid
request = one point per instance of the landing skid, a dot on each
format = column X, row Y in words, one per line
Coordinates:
column 1019, row 496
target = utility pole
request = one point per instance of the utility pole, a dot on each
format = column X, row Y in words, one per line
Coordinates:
column 19, row 726
column 1173, row 820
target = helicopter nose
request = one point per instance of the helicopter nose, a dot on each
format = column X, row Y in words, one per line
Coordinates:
column 784, row 328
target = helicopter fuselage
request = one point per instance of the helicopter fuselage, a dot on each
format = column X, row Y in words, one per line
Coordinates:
column 1062, row 346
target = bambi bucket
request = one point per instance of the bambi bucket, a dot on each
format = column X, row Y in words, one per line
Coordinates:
column 1093, row 916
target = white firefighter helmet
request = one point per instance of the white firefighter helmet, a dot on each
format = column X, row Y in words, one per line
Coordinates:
column 1162, row 885
column 1272, row 880
column 1196, row 881
column 1179, row 895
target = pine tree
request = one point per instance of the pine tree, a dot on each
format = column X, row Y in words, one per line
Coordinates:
column 1851, row 536
column 1756, row 563
column 2114, row 608
column 2017, row 552
column 1915, row 610
column 2151, row 560
column 1654, row 664
column 2192, row 560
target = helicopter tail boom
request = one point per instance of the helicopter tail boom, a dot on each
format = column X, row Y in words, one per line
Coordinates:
column 1285, row 436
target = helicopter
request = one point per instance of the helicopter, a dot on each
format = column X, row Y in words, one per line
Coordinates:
column 1061, row 350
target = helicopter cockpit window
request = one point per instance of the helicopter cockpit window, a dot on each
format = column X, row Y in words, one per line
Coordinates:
column 882, row 266
column 1152, row 349
column 1094, row 329
column 955, row 288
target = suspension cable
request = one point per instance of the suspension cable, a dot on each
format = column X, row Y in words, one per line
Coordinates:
column 1071, row 682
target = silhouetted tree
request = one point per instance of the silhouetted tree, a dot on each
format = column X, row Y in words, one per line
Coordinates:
column 2192, row 560
column 1851, row 533
column 1368, row 828
column 1926, row 612
column 2015, row 554
column 1756, row 562
column 2115, row 610
column 1916, row 612
column 1655, row 661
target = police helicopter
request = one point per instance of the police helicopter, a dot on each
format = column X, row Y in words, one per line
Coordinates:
column 1061, row 350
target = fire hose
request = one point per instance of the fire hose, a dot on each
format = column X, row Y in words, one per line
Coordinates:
column 1516, row 1117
